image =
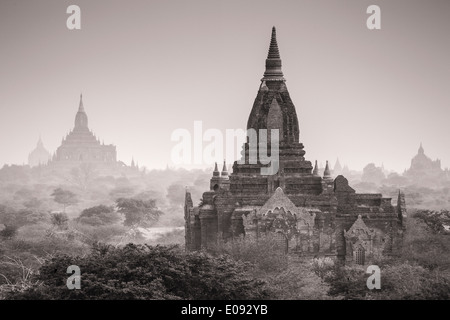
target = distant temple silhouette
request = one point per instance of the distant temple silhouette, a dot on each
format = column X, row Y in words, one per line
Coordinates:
column 425, row 171
column 39, row 156
column 81, row 145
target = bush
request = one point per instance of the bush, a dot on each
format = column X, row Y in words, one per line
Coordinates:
column 8, row 232
column 146, row 272
column 105, row 234
column 297, row 281
column 435, row 220
column 137, row 212
column 60, row 220
column 263, row 253
column 98, row 215
column 400, row 281
column 429, row 249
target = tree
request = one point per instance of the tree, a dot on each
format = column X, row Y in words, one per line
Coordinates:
column 147, row 272
column 83, row 175
column 64, row 197
column 98, row 216
column 60, row 220
column 176, row 194
column 138, row 212
column 373, row 174
column 18, row 218
column 33, row 203
column 122, row 192
column 8, row 232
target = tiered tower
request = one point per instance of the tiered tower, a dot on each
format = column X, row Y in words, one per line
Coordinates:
column 81, row 145
column 309, row 214
column 39, row 156
column 274, row 109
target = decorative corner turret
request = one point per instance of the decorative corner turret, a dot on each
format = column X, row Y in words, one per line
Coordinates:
column 316, row 170
column 327, row 181
column 216, row 180
column 326, row 172
column 216, row 172
column 224, row 173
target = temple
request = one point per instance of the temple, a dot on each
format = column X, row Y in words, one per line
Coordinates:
column 81, row 145
column 425, row 171
column 308, row 214
column 39, row 156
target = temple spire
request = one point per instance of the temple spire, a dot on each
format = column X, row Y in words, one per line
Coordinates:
column 273, row 62
column 326, row 173
column 224, row 169
column 421, row 151
column 81, row 119
column 216, row 172
column 40, row 144
column 316, row 169
column 81, row 107
column 274, row 53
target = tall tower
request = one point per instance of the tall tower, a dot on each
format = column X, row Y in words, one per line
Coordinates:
column 307, row 213
column 274, row 110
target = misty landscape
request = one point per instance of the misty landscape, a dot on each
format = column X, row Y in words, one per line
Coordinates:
column 46, row 213
column 363, row 179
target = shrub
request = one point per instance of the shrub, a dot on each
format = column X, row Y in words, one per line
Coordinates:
column 138, row 212
column 146, row 272
column 400, row 281
column 8, row 232
column 59, row 220
column 98, row 215
column 297, row 281
column 263, row 253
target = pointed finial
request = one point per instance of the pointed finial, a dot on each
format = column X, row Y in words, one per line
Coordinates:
column 316, row 169
column 81, row 107
column 421, row 151
column 326, row 173
column 224, row 169
column 216, row 172
column 40, row 144
column 274, row 52
column 273, row 62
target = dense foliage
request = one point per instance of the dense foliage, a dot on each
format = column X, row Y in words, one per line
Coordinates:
column 138, row 212
column 435, row 220
column 146, row 272
column 36, row 239
column 98, row 215
column 399, row 281
column 64, row 197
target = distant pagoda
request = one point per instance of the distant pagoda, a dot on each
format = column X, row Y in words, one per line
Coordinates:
column 82, row 146
column 39, row 156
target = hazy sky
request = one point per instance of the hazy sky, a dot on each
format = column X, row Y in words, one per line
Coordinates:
column 146, row 68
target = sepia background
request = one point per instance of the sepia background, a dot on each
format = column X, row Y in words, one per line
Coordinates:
column 146, row 68
column 376, row 100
